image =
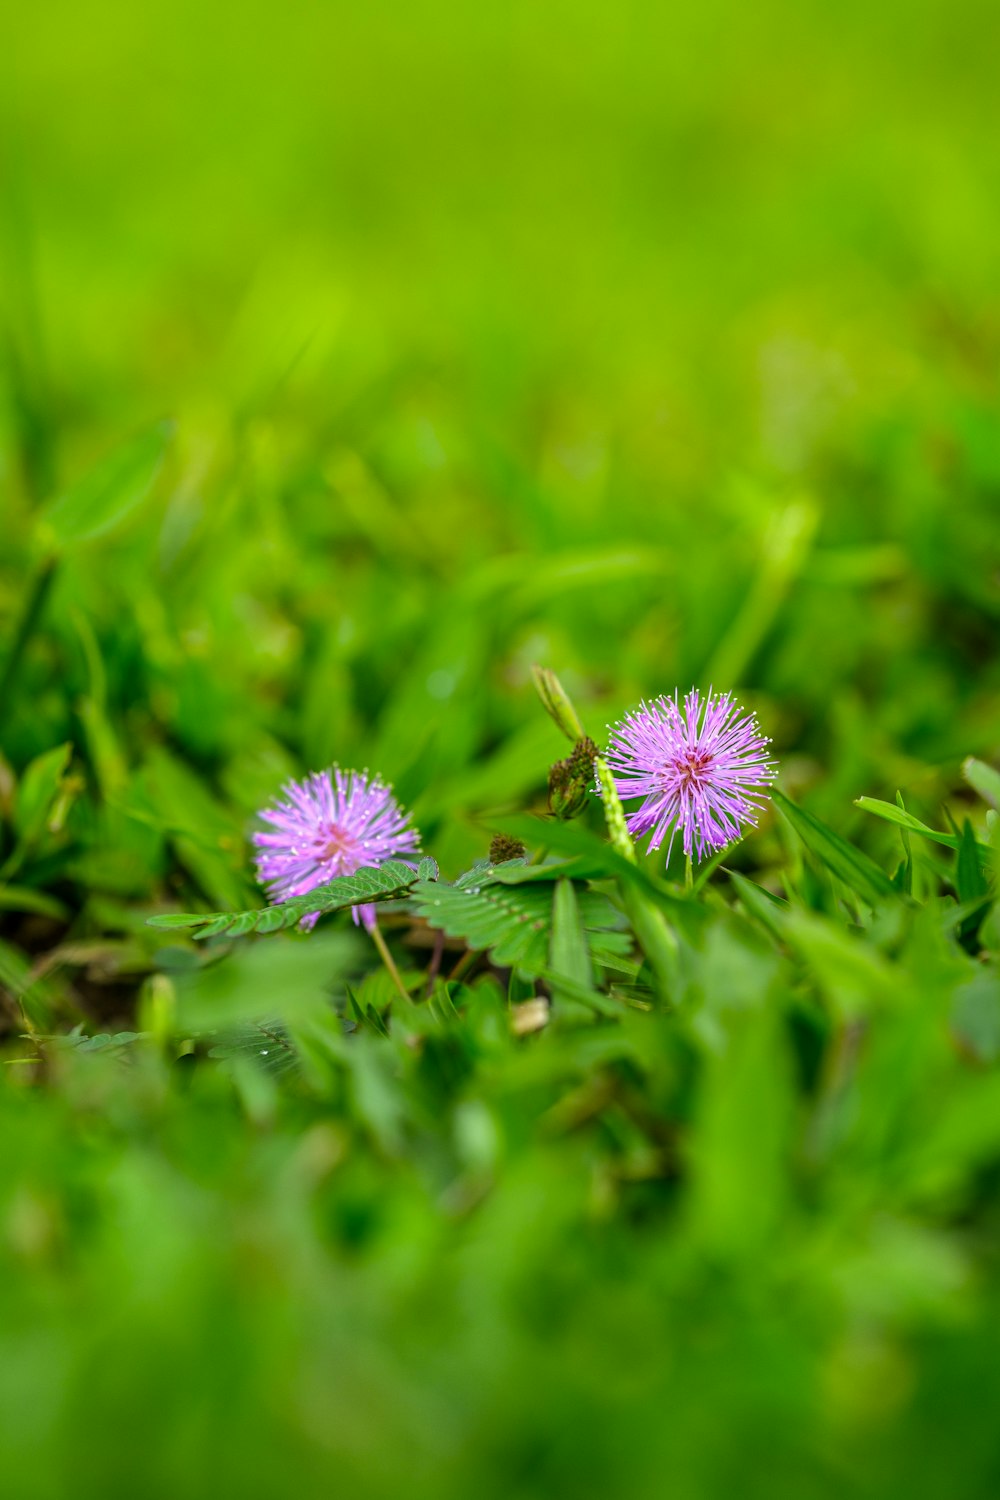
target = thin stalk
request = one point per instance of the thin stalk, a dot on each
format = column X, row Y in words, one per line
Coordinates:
column 464, row 963
column 434, row 967
column 389, row 961
column 688, row 873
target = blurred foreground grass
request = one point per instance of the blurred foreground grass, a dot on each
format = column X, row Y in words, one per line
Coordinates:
column 419, row 343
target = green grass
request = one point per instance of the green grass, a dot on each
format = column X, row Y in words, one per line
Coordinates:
column 352, row 360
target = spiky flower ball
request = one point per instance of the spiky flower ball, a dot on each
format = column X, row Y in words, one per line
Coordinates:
column 330, row 824
column 701, row 768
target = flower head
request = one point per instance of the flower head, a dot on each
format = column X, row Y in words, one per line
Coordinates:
column 702, row 768
column 330, row 824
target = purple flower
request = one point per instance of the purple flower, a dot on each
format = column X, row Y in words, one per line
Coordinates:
column 702, row 769
column 330, row 824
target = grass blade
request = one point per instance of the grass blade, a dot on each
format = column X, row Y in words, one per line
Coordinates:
column 861, row 874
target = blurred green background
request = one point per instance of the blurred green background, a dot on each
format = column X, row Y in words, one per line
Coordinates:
column 657, row 343
column 515, row 335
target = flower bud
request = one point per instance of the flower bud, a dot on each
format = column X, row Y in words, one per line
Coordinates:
column 503, row 848
column 570, row 780
column 557, row 703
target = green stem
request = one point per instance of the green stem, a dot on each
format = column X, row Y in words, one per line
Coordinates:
column 688, row 873
column 389, row 961
column 34, row 604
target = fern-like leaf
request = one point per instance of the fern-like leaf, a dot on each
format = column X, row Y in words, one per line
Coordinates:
column 265, row 1043
column 384, row 883
column 514, row 923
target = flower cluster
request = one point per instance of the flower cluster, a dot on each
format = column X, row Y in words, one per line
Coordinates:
column 701, row 768
column 330, row 824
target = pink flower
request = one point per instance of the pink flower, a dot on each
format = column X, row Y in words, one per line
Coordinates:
column 702, row 769
column 332, row 823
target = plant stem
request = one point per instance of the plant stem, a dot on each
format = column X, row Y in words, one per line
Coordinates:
column 463, row 963
column 389, row 961
column 434, row 967
column 688, row 873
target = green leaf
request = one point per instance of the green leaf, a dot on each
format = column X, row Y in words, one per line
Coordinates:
column 23, row 898
column 109, row 492
column 242, row 923
column 761, row 904
column 584, row 994
column 38, row 790
column 364, row 1012
column 597, row 857
column 103, row 1041
column 910, row 824
column 519, row 872
column 168, row 919
column 568, row 954
column 272, row 920
column 964, row 916
column 903, row 879
column 263, row 1043
column 44, row 795
column 653, row 908
column 568, row 944
column 983, row 779
column 842, row 859
column 383, row 883
column 970, row 882
column 903, row 819
column 513, row 923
